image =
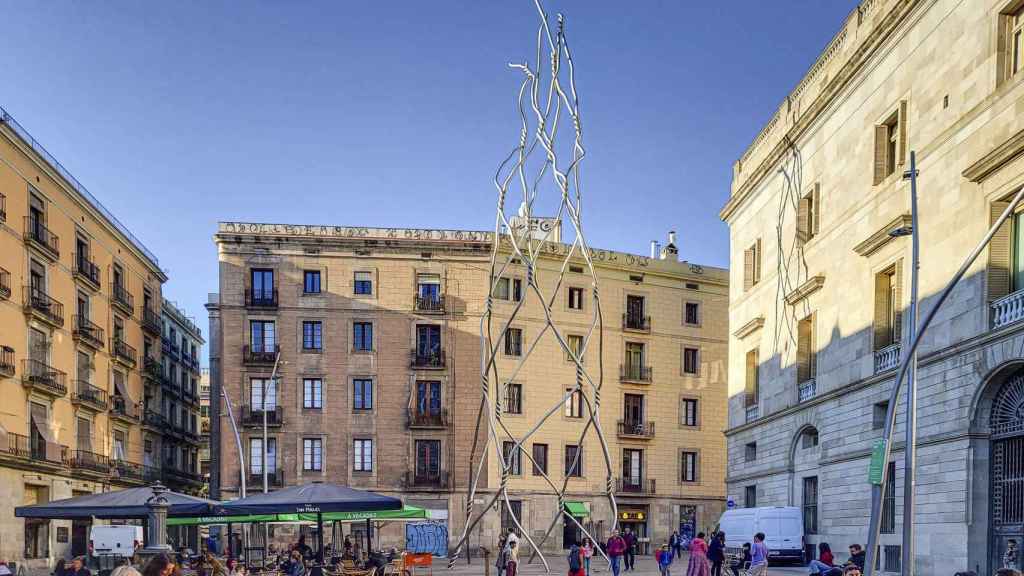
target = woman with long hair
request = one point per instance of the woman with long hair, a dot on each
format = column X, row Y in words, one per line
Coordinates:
column 698, row 557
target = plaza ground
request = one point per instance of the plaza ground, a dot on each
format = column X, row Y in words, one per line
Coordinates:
column 645, row 566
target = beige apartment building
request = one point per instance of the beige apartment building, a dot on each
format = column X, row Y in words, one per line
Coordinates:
column 817, row 317
column 78, row 294
column 379, row 387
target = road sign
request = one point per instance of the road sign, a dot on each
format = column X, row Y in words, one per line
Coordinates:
column 730, row 502
column 877, row 463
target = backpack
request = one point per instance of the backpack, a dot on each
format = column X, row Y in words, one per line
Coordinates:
column 574, row 559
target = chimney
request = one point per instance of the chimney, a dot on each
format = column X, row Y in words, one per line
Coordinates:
column 654, row 249
column 670, row 251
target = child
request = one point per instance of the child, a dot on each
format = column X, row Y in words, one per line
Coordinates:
column 513, row 558
column 1010, row 557
column 664, row 558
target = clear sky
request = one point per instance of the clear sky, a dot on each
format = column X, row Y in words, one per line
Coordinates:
column 395, row 114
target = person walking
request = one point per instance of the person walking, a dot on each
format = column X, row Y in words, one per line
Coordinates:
column 615, row 548
column 679, row 545
column 716, row 553
column 502, row 557
column 630, row 552
column 575, row 560
column 588, row 553
column 664, row 558
column 512, row 568
column 698, row 565
column 758, row 557
column 673, row 542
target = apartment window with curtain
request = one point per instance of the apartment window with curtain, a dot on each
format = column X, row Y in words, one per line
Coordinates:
column 632, row 468
column 312, row 393
column 363, row 283
column 513, row 398
column 362, row 336
column 256, row 455
column 312, row 454
column 428, row 397
column 573, row 403
column 120, row 446
column 540, row 459
column 428, row 287
column 362, row 455
column 575, row 343
column 513, row 458
column 311, row 282
column 428, row 458
column 261, row 336
column 312, row 335
column 362, row 394
column 514, row 342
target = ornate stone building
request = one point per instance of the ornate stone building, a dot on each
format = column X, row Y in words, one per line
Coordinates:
column 817, row 314
column 379, row 387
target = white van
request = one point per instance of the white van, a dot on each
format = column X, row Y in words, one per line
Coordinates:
column 120, row 540
column 782, row 526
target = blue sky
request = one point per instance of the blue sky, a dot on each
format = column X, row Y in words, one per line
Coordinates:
column 178, row 115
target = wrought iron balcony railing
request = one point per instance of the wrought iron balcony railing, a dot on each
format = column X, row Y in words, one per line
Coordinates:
column 633, row 485
column 87, row 394
column 18, row 446
column 87, row 332
column 86, row 270
column 128, row 471
column 263, row 354
column 123, row 351
column 636, row 322
column 254, row 416
column 153, row 419
column 151, row 320
column 89, row 461
column 275, row 478
column 636, row 429
column 42, row 237
column 123, row 408
column 41, row 377
column 261, row 298
column 428, row 359
column 426, row 479
column 121, row 297
column 429, row 304
column 5, row 284
column 428, row 419
column 6, row 361
column 39, row 304
column 635, row 373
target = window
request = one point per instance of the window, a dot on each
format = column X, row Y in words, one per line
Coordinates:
column 634, row 361
column 311, row 282
column 513, row 398
column 573, row 461
column 890, row 144
column 750, row 496
column 689, row 412
column 428, row 458
column 256, row 394
column 878, row 415
column 691, row 316
column 810, row 505
column 514, row 342
column 575, row 298
column 752, row 265
column 689, row 466
column 362, row 394
column 636, row 318
column 256, row 455
column 507, row 521
column 120, row 444
column 1014, row 49
column 362, row 455
column 893, row 555
column 752, row 387
column 312, row 454
column 809, row 439
column 888, row 316
column 428, row 287
column 632, row 469
column 428, row 344
column 84, row 435
column 806, row 355
column 428, row 397
column 509, row 289
column 312, row 335
column 889, row 502
column 540, row 459
column 807, row 215
column 262, row 284
column 362, row 336
column 513, row 457
column 574, row 403
column 691, row 361
column 363, row 283
column 312, row 393
column 575, row 343
column 750, row 452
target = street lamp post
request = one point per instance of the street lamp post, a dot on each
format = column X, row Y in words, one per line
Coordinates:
column 263, row 408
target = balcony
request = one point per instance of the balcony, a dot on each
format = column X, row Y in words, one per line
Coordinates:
column 259, row 355
column 120, row 297
column 636, row 323
column 204, row 427
column 173, row 475
column 123, row 352
column 86, row 271
column 154, row 420
column 151, row 368
column 151, row 321
column 254, row 417
column 423, row 359
column 124, row 409
column 428, row 420
column 87, row 395
column 887, row 358
column 18, row 446
column 628, row 485
column 171, row 387
column 151, row 474
column 636, row 429
column 86, row 332
column 39, row 236
column 752, row 413
column 128, row 472
column 41, row 377
column 46, row 453
column 5, row 284
column 429, row 304
column 636, row 373
column 6, row 361
column 275, row 479
column 189, row 395
column 439, row 479
column 807, row 389
column 86, row 461
column 260, row 298
column 41, row 306
column 1008, row 309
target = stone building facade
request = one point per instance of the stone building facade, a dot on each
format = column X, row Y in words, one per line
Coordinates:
column 378, row 331
column 817, row 314
column 79, row 320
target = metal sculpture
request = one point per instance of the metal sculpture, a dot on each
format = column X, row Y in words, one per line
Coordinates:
column 544, row 105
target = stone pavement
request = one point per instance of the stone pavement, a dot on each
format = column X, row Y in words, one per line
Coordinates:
column 645, row 566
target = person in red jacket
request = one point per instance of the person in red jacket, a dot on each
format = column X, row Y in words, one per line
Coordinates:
column 615, row 548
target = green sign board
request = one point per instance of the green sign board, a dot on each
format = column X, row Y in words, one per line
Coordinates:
column 877, row 463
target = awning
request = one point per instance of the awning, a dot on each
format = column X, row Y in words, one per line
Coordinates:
column 311, row 498
column 578, row 509
column 128, row 503
column 406, row 513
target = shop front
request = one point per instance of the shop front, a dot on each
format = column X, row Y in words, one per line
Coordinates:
column 634, row 518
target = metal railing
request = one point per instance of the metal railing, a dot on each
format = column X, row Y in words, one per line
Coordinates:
column 91, row 461
column 86, row 270
column 153, row 419
column 261, row 298
column 74, row 183
column 6, row 361
column 636, row 322
column 807, row 389
column 635, row 373
column 254, row 417
column 39, row 302
column 151, row 367
column 752, row 413
column 425, row 359
column 636, row 429
column 42, row 236
column 41, row 376
column 274, row 478
column 122, row 297
column 1008, row 309
column 87, row 331
column 630, row 485
column 5, row 283
column 122, row 407
column 260, row 354
column 86, row 393
column 428, row 303
column 887, row 358
column 122, row 350
column 151, row 320
column 437, row 479
column 126, row 470
column 18, row 445
column 428, row 419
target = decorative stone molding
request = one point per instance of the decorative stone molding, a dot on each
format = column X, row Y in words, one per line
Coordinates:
column 881, row 237
column 996, row 158
column 749, row 328
column 812, row 285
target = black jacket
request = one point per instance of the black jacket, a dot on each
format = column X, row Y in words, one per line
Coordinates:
column 858, row 559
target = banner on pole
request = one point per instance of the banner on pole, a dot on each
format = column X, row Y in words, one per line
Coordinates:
column 877, row 463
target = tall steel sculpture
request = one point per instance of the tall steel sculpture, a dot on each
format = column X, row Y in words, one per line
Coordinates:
column 545, row 105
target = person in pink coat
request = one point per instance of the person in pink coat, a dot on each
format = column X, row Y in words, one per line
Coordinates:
column 698, row 557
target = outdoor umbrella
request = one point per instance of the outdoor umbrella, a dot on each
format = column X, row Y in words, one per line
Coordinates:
column 127, row 503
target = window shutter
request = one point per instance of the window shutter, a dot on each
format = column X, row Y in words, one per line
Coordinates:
column 803, row 220
column 751, row 382
column 816, row 213
column 748, row 269
column 881, row 137
column 901, row 150
column 758, row 254
column 803, row 349
column 897, row 306
column 881, row 323
column 812, row 351
column 998, row 272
